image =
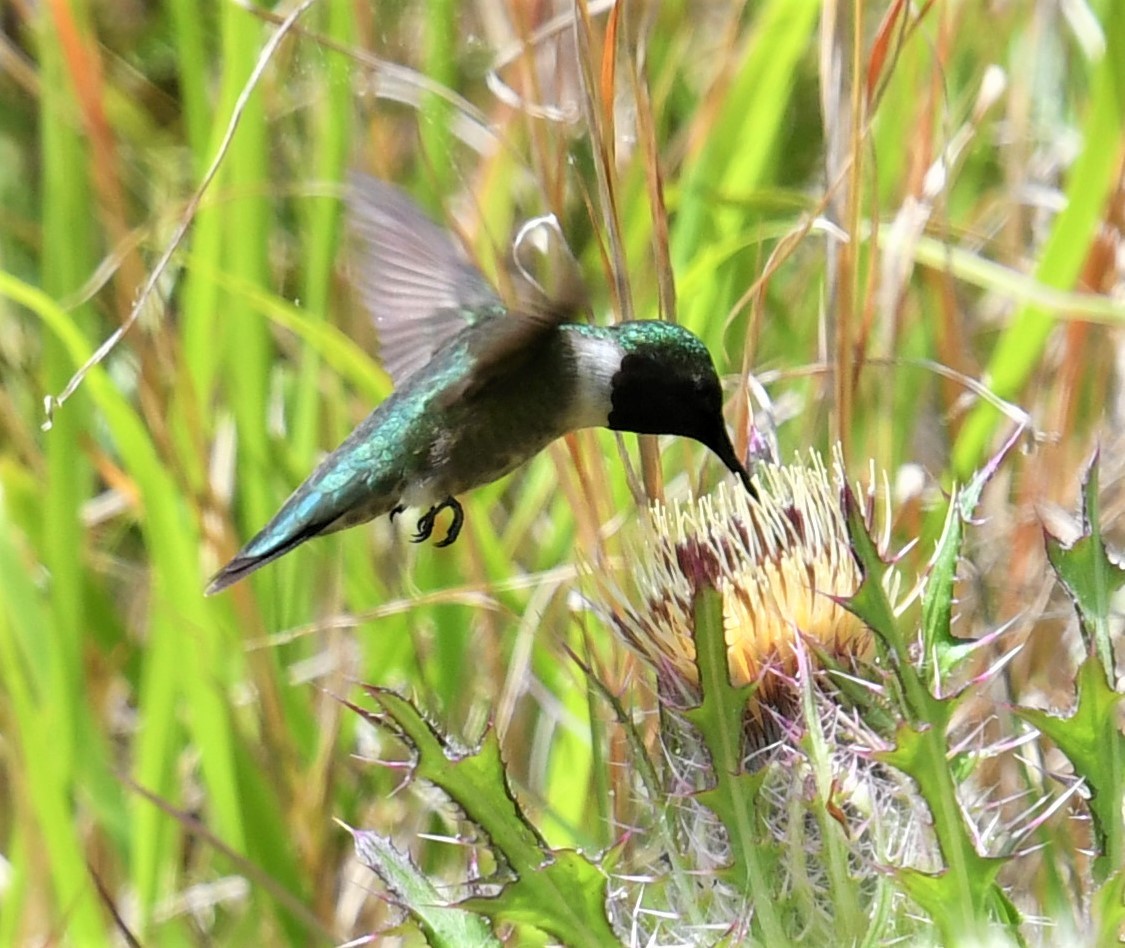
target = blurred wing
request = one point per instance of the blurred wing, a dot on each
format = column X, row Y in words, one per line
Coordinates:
column 547, row 291
column 500, row 346
column 545, row 277
column 416, row 283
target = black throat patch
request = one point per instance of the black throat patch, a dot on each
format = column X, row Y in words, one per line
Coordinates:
column 648, row 398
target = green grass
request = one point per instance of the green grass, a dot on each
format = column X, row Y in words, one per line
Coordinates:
column 251, row 358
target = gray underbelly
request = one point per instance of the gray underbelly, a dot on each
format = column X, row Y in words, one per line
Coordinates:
column 473, row 459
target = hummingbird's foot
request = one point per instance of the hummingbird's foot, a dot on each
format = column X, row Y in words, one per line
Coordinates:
column 426, row 522
column 396, row 511
column 425, row 525
column 458, row 519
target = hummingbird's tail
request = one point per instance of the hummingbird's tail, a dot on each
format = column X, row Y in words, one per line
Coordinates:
column 266, row 547
column 312, row 510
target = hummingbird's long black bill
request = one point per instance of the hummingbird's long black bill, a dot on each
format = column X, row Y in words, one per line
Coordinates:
column 737, row 467
column 722, row 446
column 745, row 478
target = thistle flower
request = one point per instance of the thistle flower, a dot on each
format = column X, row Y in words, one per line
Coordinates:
column 783, row 565
column 782, row 562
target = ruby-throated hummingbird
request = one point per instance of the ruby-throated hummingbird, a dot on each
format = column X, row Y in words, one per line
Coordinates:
column 479, row 389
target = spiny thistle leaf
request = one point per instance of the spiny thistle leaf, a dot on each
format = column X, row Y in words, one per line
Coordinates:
column 734, row 797
column 560, row 892
column 940, row 895
column 475, row 781
column 870, row 602
column 939, row 645
column 722, row 707
column 564, row 895
column 871, row 605
column 1088, row 574
column 1092, row 741
column 441, row 923
column 1091, row 737
column 961, row 897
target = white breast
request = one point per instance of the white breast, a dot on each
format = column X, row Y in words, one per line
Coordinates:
column 599, row 360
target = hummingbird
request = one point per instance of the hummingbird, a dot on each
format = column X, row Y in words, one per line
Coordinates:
column 479, row 388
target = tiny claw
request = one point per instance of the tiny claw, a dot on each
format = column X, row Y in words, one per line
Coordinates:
column 426, row 525
column 426, row 521
column 458, row 519
column 396, row 511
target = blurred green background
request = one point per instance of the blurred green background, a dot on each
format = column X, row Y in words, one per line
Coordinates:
column 878, row 207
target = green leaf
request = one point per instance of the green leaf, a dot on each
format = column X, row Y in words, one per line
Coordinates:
column 561, row 892
column 720, row 719
column 1109, row 909
column 870, row 604
column 1092, row 741
column 722, row 709
column 937, row 599
column 443, row 924
column 964, row 896
column 938, row 893
column 564, row 896
column 1088, row 574
column 940, row 648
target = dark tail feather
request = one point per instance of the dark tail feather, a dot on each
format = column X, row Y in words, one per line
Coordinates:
column 250, row 558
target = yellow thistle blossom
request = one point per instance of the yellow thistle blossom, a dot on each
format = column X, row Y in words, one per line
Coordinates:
column 782, row 561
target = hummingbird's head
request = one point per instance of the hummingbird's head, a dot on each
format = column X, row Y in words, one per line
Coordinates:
column 667, row 384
